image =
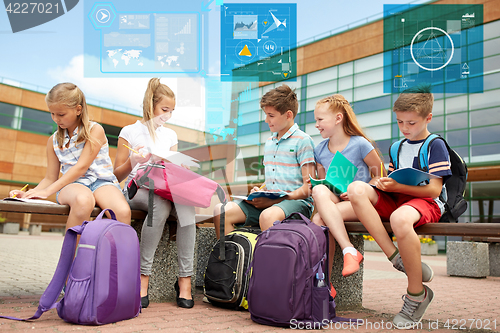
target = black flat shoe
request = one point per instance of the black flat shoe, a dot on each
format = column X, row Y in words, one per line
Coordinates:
column 182, row 302
column 145, row 301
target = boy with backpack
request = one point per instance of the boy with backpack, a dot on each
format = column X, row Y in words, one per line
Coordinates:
column 288, row 161
column 406, row 206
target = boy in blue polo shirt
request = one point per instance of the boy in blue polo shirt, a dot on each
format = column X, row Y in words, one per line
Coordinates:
column 405, row 206
column 288, row 161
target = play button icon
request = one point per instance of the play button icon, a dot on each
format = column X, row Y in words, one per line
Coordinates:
column 103, row 15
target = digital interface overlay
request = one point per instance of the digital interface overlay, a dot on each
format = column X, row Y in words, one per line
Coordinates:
column 437, row 44
column 258, row 42
column 132, row 39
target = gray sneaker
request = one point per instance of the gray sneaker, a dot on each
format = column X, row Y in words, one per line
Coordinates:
column 427, row 272
column 412, row 312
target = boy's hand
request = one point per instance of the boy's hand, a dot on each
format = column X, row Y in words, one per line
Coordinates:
column 387, row 184
column 254, row 189
column 262, row 203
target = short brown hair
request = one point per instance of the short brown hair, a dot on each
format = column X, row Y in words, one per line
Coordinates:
column 282, row 98
column 418, row 99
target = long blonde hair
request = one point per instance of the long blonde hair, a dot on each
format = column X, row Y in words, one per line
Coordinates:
column 337, row 103
column 153, row 95
column 69, row 95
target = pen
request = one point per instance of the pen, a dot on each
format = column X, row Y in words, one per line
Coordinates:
column 135, row 151
column 381, row 169
column 260, row 188
column 15, row 195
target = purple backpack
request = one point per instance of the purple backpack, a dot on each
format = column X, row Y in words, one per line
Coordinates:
column 103, row 280
column 290, row 282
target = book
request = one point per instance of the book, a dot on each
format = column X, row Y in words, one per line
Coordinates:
column 339, row 175
column 260, row 194
column 410, row 176
column 33, row 201
column 175, row 157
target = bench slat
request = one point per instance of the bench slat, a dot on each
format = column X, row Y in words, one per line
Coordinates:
column 441, row 229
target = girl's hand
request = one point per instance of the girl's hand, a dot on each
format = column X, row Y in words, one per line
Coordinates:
column 34, row 194
column 17, row 193
column 138, row 158
column 344, row 196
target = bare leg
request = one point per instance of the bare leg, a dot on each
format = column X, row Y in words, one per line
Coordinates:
column 331, row 251
column 109, row 196
column 233, row 215
column 269, row 216
column 363, row 198
column 326, row 203
column 185, row 287
column 81, row 202
column 144, row 285
column 402, row 220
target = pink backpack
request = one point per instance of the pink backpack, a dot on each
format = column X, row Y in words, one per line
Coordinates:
column 176, row 184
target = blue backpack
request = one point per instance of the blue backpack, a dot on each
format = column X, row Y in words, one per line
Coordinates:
column 453, row 198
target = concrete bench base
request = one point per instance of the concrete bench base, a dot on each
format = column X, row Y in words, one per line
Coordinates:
column 165, row 269
column 35, row 229
column 10, row 228
column 469, row 259
column 494, row 253
column 349, row 289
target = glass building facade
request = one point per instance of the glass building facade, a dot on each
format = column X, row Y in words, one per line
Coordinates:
column 469, row 122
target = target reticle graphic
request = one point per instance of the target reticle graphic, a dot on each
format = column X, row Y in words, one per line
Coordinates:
column 429, row 53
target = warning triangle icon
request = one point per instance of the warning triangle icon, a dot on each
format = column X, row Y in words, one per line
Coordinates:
column 245, row 52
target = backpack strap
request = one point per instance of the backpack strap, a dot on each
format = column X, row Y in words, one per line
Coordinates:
column 423, row 152
column 222, row 219
column 394, row 152
column 48, row 300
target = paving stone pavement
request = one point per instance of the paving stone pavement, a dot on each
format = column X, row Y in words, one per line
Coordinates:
column 28, row 262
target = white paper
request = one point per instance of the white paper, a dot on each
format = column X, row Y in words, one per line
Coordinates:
column 175, row 157
column 33, row 201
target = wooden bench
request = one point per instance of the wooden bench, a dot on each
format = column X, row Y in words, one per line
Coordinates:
column 63, row 210
column 164, row 267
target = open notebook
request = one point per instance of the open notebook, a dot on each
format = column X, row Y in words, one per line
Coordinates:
column 33, row 201
column 340, row 174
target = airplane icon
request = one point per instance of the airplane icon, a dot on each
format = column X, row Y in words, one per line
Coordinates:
column 276, row 23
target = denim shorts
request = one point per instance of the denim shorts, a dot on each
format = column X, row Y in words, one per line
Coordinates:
column 93, row 187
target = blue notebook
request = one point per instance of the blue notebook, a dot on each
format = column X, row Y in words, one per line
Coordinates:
column 410, row 176
column 259, row 194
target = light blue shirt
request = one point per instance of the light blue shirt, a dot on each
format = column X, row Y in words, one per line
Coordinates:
column 284, row 158
column 355, row 151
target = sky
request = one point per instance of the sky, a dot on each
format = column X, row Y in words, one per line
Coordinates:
column 53, row 52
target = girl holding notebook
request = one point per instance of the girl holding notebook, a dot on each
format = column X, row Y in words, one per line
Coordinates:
column 358, row 160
